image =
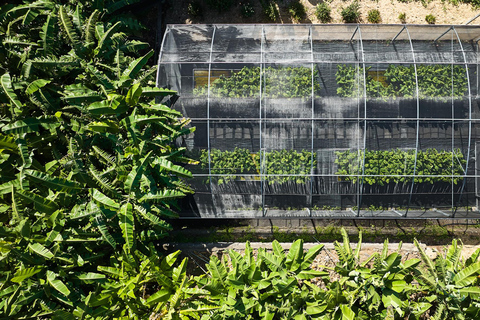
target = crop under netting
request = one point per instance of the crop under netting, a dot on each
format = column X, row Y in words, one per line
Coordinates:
column 328, row 121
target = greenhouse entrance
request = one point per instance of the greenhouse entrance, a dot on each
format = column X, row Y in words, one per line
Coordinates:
column 328, row 121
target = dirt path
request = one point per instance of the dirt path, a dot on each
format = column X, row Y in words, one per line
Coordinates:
column 444, row 12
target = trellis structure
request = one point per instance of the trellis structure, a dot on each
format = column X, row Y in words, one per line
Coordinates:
column 328, row 121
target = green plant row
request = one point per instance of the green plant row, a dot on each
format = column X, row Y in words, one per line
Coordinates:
column 285, row 285
column 242, row 161
column 282, row 82
column 433, row 81
column 396, row 166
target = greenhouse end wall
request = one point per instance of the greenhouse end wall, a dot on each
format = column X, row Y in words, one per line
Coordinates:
column 328, row 121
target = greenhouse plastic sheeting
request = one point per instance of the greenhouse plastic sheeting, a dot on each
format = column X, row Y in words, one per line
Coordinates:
column 328, row 121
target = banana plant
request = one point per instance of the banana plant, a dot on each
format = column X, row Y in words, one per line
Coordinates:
column 271, row 286
column 89, row 166
column 450, row 284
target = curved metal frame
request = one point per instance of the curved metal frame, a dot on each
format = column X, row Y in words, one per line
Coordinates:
column 469, row 117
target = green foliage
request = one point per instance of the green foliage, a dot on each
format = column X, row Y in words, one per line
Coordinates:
column 277, row 162
column 434, row 81
column 247, row 9
column 297, row 11
column 270, row 10
column 451, row 284
column 351, row 81
column 88, row 167
column 278, row 285
column 323, row 12
column 430, row 19
column 396, row 166
column 373, row 16
column 220, row 5
column 402, row 17
column 351, row 13
column 271, row 285
column 282, row 82
column 195, row 9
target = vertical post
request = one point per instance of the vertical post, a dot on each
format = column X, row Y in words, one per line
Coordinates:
column 469, row 115
column 313, row 116
column 208, row 121
column 418, row 121
column 160, row 56
column 261, row 157
column 364, row 119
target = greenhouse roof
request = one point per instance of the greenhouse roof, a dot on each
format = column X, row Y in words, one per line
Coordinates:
column 270, row 43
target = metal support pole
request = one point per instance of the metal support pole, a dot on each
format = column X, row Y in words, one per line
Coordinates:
column 418, row 122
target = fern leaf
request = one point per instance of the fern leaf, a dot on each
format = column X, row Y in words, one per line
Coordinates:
column 90, row 27
column 108, row 159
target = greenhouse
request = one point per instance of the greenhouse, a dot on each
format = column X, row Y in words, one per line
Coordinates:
column 328, row 121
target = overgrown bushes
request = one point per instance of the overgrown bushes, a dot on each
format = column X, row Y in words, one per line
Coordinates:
column 277, row 162
column 275, row 284
column 88, row 164
column 323, row 12
column 282, row 82
column 396, row 166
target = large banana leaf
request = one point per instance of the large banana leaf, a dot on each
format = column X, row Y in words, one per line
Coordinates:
column 52, row 182
column 127, row 224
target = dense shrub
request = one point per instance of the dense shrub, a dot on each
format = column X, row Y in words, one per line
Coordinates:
column 88, row 164
column 269, row 9
column 323, row 12
column 297, row 10
column 374, row 16
column 247, row 9
column 194, row 9
column 276, row 162
column 283, row 82
column 351, row 13
column 280, row 284
column 434, row 81
column 430, row 18
column 397, row 166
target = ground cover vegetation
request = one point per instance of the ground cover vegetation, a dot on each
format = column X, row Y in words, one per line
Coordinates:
column 279, row 285
column 282, row 82
column 434, row 81
column 88, row 164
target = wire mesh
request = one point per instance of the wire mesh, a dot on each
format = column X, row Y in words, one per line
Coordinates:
column 328, row 121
